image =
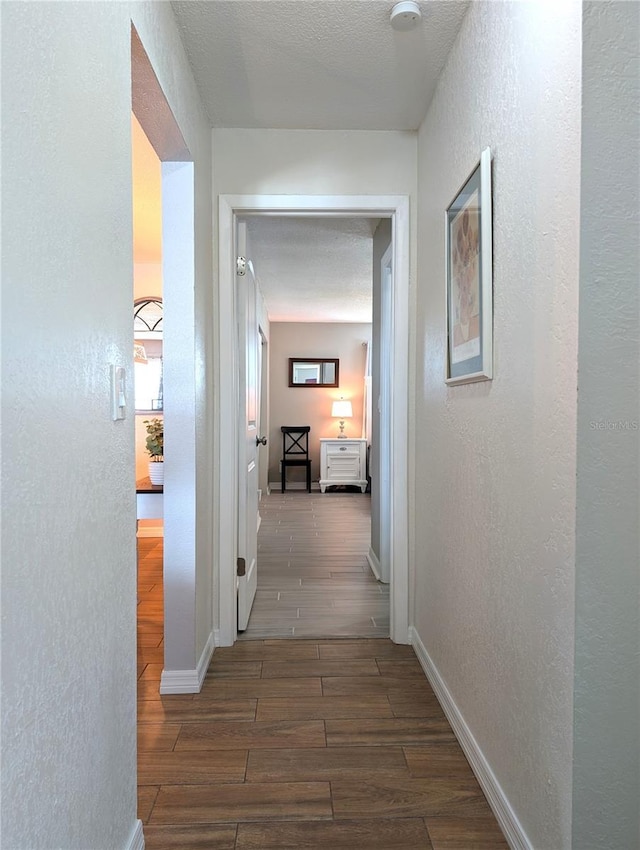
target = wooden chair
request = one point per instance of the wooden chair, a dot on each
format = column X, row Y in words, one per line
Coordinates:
column 295, row 451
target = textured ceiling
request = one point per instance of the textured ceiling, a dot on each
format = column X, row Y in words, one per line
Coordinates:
column 315, row 64
column 313, row 269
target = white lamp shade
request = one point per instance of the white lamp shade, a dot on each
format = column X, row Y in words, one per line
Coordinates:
column 342, row 409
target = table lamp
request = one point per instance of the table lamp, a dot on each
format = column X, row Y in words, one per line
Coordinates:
column 342, row 410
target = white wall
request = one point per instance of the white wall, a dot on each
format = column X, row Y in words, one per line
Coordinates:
column 317, row 162
column 495, row 462
column 607, row 674
column 69, row 561
column 312, row 406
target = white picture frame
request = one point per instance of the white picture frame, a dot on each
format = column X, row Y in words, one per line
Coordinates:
column 469, row 279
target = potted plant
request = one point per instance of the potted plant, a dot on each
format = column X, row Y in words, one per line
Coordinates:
column 155, row 447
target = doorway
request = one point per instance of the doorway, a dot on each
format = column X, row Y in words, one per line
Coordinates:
column 179, row 673
column 316, row 279
column 397, row 209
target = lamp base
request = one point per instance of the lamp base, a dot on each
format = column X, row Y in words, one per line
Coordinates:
column 342, row 435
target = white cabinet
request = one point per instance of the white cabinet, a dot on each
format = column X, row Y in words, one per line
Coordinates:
column 343, row 462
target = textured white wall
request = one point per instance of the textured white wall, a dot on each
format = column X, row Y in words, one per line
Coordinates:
column 69, row 562
column 607, row 674
column 495, row 462
column 295, row 406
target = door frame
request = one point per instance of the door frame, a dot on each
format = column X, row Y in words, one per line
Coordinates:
column 395, row 207
column 385, row 381
column 248, row 420
column 263, row 407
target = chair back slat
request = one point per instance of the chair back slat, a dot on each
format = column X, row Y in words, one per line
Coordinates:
column 295, row 442
column 295, row 451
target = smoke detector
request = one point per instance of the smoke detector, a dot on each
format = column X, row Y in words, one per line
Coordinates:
column 405, row 15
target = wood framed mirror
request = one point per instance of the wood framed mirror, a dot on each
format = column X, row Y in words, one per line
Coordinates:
column 314, row 372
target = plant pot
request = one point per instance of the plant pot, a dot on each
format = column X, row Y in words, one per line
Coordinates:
column 156, row 471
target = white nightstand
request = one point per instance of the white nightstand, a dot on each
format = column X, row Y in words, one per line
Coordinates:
column 343, row 462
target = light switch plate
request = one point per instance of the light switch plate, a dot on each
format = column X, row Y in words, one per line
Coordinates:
column 118, row 392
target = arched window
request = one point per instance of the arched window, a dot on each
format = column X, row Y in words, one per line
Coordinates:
column 147, row 331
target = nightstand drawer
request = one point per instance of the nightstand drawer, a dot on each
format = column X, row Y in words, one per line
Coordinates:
column 342, row 449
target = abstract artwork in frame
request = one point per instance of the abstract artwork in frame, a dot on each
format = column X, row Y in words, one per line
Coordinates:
column 469, row 264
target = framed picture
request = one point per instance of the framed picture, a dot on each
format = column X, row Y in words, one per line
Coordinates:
column 469, row 265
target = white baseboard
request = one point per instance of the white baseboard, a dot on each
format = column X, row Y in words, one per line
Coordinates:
column 374, row 563
column 151, row 531
column 205, row 658
column 497, row 799
column 188, row 681
column 136, row 842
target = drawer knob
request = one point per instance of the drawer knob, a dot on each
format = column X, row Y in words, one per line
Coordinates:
column 343, row 448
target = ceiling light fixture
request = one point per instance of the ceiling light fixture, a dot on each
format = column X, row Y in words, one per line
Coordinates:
column 405, row 15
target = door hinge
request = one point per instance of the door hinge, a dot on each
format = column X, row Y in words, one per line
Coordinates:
column 241, row 266
column 241, row 567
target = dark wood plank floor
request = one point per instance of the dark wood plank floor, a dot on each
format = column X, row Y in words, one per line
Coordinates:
column 299, row 745
column 314, row 579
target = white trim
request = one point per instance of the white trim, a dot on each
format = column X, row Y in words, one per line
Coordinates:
column 136, row 842
column 399, row 438
column 205, row 658
column 384, row 414
column 497, row 799
column 374, row 563
column 227, row 445
column 188, row 681
column 179, row 682
column 366, row 206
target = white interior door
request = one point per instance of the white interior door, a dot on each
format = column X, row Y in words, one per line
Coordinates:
column 248, row 412
column 384, row 410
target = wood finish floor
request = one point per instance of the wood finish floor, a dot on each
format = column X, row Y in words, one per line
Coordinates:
column 299, row 745
column 313, row 576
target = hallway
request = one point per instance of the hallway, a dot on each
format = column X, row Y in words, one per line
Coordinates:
column 299, row 744
column 313, row 576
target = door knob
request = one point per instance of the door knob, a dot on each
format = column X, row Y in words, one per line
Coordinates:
column 261, row 441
